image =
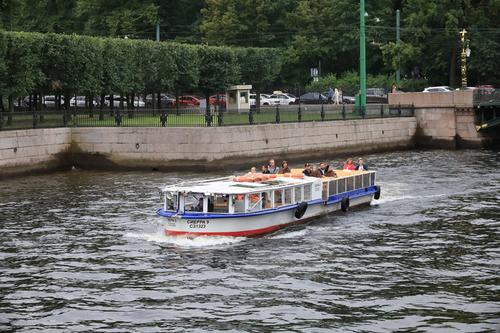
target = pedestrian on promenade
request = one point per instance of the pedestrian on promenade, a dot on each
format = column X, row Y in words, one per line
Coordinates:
column 330, row 95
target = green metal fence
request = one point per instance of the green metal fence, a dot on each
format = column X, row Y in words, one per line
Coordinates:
column 195, row 117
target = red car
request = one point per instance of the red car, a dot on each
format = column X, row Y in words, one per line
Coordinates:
column 188, row 100
column 213, row 100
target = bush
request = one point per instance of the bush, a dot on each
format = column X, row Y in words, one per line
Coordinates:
column 348, row 82
column 71, row 64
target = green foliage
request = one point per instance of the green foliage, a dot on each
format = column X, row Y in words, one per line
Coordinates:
column 71, row 64
column 307, row 32
column 400, row 56
column 21, row 63
column 218, row 69
column 349, row 82
column 259, row 67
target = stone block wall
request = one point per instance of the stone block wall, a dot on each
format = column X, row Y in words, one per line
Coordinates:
column 26, row 151
column 166, row 148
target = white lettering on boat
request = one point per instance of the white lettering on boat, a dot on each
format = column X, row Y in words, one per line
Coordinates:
column 198, row 224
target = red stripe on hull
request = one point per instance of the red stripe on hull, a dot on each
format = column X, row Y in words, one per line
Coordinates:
column 243, row 233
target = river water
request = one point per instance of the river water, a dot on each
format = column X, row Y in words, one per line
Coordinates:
column 83, row 251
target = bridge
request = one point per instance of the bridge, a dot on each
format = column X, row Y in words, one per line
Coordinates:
column 487, row 105
column 461, row 118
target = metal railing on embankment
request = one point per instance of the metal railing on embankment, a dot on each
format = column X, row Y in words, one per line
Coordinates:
column 195, row 117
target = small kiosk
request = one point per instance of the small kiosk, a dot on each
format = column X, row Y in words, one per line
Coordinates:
column 238, row 98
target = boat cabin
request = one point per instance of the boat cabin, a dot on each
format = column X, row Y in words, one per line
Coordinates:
column 227, row 196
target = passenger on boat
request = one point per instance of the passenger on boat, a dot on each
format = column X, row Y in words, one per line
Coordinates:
column 361, row 166
column 272, row 167
column 284, row 168
column 323, row 168
column 265, row 169
column 349, row 166
column 326, row 171
column 253, row 171
column 307, row 169
column 315, row 172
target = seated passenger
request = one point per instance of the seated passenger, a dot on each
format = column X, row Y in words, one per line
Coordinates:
column 323, row 168
column 361, row 166
column 307, row 170
column 284, row 168
column 349, row 166
column 272, row 167
column 315, row 172
column 264, row 169
column 253, row 171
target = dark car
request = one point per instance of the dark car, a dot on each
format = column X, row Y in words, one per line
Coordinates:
column 376, row 95
column 312, row 98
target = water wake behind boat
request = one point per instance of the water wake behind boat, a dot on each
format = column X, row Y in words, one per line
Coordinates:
column 184, row 241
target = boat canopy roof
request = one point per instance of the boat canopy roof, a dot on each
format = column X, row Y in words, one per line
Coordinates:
column 228, row 186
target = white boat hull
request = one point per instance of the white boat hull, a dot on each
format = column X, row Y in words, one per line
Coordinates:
column 246, row 225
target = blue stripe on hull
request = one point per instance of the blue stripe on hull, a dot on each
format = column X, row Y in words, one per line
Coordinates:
column 333, row 199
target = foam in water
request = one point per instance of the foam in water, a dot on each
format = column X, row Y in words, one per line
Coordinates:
column 183, row 241
column 291, row 234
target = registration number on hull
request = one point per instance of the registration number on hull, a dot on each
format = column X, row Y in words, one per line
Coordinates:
column 197, row 224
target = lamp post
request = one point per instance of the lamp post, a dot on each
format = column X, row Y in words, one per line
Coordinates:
column 463, row 57
column 398, row 72
column 362, row 56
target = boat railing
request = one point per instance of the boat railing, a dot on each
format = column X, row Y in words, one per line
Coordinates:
column 192, row 182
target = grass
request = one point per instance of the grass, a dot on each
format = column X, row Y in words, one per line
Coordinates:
column 148, row 118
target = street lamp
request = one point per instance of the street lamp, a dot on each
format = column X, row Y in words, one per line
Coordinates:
column 362, row 56
column 463, row 57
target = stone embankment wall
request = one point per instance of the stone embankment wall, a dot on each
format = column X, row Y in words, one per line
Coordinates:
column 195, row 148
column 24, row 151
column 237, row 145
column 445, row 120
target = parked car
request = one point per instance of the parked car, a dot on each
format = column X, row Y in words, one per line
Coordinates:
column 438, row 89
column 221, row 102
column 264, row 99
column 376, row 95
column 281, row 99
column 49, row 101
column 348, row 99
column 166, row 100
column 79, row 101
column 312, row 98
column 486, row 89
column 138, row 102
column 345, row 99
column 188, row 100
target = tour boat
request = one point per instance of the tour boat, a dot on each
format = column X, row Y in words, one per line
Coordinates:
column 258, row 204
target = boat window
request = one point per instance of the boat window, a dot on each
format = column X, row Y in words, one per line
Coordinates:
column 366, row 180
column 341, row 187
column 288, row 196
column 307, row 192
column 220, row 203
column 239, row 203
column 298, row 193
column 372, row 179
column 193, row 202
column 359, row 181
column 172, row 201
column 350, row 183
column 266, row 200
column 254, row 202
column 332, row 187
column 278, row 198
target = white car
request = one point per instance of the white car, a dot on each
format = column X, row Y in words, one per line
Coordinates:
column 281, row 99
column 138, row 103
column 79, row 101
column 264, row 99
column 49, row 101
column 438, row 89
